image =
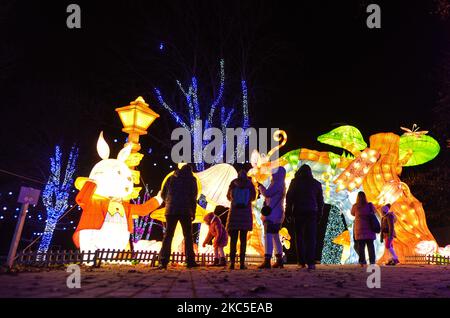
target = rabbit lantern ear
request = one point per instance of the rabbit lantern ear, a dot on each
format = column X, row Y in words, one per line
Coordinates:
column 124, row 153
column 102, row 147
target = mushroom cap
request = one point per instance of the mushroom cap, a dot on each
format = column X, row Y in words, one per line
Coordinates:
column 425, row 148
column 343, row 137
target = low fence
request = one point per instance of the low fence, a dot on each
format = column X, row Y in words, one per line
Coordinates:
column 96, row 258
column 427, row 260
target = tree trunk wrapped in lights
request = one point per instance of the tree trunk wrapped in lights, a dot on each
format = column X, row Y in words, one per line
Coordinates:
column 56, row 194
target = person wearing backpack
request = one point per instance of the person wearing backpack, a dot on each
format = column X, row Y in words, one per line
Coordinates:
column 365, row 227
column 241, row 193
column 273, row 200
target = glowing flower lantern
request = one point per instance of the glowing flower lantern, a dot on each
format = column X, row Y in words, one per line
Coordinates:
column 261, row 164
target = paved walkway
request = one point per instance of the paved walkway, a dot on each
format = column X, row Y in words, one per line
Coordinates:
column 140, row 281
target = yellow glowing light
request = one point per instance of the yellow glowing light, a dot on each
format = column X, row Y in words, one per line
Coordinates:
column 366, row 170
column 136, row 117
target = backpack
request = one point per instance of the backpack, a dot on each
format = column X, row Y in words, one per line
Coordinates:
column 241, row 197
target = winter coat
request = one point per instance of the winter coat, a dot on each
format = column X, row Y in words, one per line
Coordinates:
column 362, row 229
column 274, row 196
column 216, row 231
column 180, row 193
column 305, row 196
column 240, row 218
column 387, row 225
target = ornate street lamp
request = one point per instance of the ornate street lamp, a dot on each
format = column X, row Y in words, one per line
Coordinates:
column 136, row 118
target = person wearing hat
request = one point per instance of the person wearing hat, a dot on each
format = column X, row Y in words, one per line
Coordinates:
column 273, row 217
column 304, row 201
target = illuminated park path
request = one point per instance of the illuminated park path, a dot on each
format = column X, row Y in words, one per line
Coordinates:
column 140, row 281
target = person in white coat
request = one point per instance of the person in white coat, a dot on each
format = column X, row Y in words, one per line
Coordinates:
column 274, row 199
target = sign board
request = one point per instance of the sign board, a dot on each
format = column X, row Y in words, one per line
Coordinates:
column 29, row 195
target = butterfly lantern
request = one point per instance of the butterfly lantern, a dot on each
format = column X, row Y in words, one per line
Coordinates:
column 261, row 165
column 414, row 131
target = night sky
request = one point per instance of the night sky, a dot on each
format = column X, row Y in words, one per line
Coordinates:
column 310, row 66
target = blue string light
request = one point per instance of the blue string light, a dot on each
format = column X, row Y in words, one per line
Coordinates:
column 195, row 118
column 56, row 193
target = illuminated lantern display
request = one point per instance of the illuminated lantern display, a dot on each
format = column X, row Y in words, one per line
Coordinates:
column 344, row 240
column 345, row 137
column 444, row 251
column 215, row 182
column 354, row 174
column 261, row 164
column 375, row 170
column 392, row 191
column 426, row 248
column 136, row 118
column 106, row 220
column 285, row 238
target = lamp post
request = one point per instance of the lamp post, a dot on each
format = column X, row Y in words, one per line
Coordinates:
column 136, row 118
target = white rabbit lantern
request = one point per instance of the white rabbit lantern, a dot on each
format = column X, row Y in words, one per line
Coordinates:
column 107, row 218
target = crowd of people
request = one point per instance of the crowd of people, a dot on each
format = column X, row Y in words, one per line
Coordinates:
column 301, row 204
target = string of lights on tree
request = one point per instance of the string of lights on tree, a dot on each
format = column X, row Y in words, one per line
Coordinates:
column 56, row 193
column 143, row 225
column 195, row 115
column 332, row 252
